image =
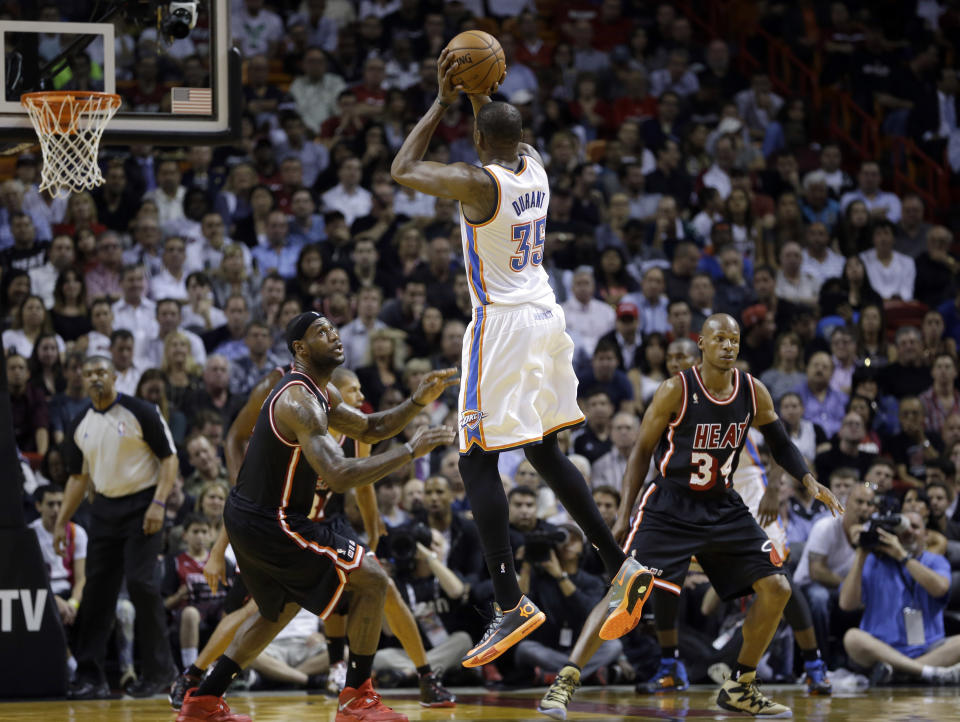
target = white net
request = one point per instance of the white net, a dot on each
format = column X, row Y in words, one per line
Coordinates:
column 70, row 125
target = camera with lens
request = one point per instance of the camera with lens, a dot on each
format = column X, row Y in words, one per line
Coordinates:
column 538, row 542
column 400, row 545
column 889, row 522
column 180, row 18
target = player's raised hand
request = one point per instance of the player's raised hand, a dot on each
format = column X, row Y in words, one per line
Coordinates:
column 819, row 491
column 428, row 438
column 447, row 91
column 433, row 385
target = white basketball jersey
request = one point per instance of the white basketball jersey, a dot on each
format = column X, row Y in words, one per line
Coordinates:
column 504, row 254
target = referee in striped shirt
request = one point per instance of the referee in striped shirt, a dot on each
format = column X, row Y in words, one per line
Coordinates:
column 121, row 445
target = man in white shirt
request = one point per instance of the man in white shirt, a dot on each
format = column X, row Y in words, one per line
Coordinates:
column 168, row 195
column 43, row 279
column 880, row 203
column 610, row 468
column 121, row 353
column 316, row 91
column 718, row 174
column 831, row 160
column 793, row 283
column 827, row 557
column 68, row 572
column 168, row 321
column 819, row 260
column 589, row 317
column 891, row 274
column 134, row 312
column 676, row 77
column 355, row 336
column 171, row 282
column 348, row 196
column 254, row 30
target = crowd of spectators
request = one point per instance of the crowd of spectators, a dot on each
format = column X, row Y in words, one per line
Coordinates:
column 680, row 187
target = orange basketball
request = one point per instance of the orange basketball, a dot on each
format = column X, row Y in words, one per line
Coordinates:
column 479, row 61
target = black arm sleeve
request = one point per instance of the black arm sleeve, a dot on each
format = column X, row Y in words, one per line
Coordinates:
column 783, row 450
column 72, row 455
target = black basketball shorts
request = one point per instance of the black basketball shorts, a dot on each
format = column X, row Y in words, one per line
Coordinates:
column 289, row 558
column 672, row 526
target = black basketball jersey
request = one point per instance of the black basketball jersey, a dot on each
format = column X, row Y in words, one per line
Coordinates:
column 700, row 449
column 275, row 474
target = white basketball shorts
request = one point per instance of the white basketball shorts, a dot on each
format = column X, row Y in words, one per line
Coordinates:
column 517, row 381
column 749, row 481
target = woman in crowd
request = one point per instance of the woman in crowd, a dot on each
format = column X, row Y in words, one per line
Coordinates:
column 46, row 370
column 853, row 233
column 425, row 341
column 787, row 372
column 307, row 285
column 934, row 341
column 739, row 215
column 69, row 314
column 14, row 288
column 30, row 320
column 612, row 277
column 650, row 369
column 872, row 346
column 252, row 229
column 183, row 373
column 381, row 370
column 152, row 387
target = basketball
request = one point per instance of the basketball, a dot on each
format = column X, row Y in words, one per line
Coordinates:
column 479, row 61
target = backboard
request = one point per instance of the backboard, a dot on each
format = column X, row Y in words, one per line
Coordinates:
column 174, row 91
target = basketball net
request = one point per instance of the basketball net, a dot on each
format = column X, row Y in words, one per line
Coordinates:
column 70, row 125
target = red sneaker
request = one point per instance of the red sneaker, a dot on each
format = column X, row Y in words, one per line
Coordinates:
column 207, row 709
column 365, row 704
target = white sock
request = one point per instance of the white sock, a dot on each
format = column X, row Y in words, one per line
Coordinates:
column 930, row 673
column 188, row 655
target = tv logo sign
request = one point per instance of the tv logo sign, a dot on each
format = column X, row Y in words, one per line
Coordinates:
column 33, row 602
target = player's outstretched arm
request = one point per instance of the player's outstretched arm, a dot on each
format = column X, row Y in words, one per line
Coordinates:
column 298, row 415
column 663, row 407
column 783, row 450
column 242, row 427
column 460, row 181
column 372, row 428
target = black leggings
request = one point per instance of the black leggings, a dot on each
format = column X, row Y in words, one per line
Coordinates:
column 488, row 502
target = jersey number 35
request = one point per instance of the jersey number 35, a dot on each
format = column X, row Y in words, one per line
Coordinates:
column 529, row 238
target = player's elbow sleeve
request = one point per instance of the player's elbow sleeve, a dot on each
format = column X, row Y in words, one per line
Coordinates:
column 784, row 451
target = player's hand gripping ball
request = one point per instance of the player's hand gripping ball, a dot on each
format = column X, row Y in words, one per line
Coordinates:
column 479, row 62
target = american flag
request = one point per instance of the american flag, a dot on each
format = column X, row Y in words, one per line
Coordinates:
column 194, row 101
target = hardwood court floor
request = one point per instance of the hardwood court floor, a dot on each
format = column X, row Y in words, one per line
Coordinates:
column 612, row 704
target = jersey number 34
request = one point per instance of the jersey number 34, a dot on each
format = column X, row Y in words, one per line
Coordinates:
column 705, row 475
column 529, row 238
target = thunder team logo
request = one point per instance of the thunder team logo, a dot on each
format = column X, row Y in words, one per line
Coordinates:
column 471, row 418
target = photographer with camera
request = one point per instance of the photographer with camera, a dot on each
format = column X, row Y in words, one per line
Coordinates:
column 437, row 596
column 902, row 590
column 827, row 557
column 550, row 572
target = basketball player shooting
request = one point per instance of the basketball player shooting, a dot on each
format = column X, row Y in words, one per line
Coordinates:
column 519, row 387
column 697, row 425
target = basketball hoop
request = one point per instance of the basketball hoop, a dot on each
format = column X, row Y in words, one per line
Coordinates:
column 70, row 124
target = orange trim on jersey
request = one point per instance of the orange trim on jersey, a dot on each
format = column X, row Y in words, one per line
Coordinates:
column 483, row 323
column 273, row 424
column 753, row 393
column 714, row 399
column 520, row 169
column 669, row 586
column 335, row 599
column 672, row 428
column 288, row 477
column 495, row 212
column 322, row 392
column 636, row 522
